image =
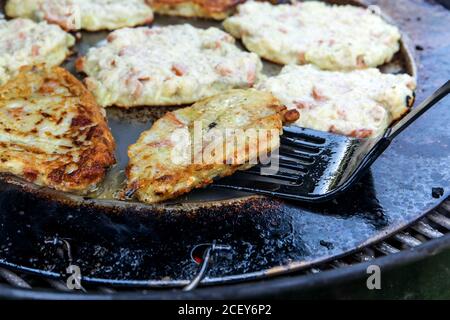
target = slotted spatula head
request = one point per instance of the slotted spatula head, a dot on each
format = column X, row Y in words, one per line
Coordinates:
column 309, row 165
column 316, row 166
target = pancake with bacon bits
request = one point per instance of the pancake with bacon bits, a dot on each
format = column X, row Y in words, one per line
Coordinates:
column 24, row 42
column 213, row 9
column 91, row 15
column 189, row 147
column 331, row 37
column 360, row 103
column 171, row 65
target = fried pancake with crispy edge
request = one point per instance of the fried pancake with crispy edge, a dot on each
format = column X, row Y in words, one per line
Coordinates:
column 154, row 177
column 93, row 146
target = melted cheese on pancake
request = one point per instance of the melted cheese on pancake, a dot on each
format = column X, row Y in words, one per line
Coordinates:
column 166, row 66
column 359, row 103
column 24, row 42
column 52, row 132
column 330, row 37
column 156, row 171
column 89, row 15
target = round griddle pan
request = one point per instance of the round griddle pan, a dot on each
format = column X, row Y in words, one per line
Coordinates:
column 130, row 243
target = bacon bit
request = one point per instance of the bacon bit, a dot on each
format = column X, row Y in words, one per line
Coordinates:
column 302, row 105
column 112, row 63
column 222, row 70
column 333, row 129
column 79, row 64
column 124, row 51
column 361, row 133
column 179, row 69
column 282, row 30
column 54, row 19
column 111, row 37
column 411, row 85
column 360, row 63
column 35, row 50
column 138, row 89
column 15, row 112
column 251, row 76
column 331, row 42
column 318, row 95
column 173, row 118
column 291, row 116
column 22, row 35
column 66, row 20
column 302, row 58
column 159, row 144
column 30, row 174
column 149, row 32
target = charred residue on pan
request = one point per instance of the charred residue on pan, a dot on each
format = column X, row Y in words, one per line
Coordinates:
column 133, row 241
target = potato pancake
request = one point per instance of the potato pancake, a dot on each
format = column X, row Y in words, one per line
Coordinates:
column 331, row 37
column 52, row 132
column 214, row 9
column 24, row 42
column 360, row 103
column 171, row 65
column 189, row 147
column 91, row 15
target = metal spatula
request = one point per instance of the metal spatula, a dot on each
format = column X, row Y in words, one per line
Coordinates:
column 318, row 166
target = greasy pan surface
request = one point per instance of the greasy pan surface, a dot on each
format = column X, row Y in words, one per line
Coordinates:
column 124, row 242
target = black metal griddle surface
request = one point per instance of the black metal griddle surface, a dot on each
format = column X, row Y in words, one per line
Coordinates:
column 263, row 233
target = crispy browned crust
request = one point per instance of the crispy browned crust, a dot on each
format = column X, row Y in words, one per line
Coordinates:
column 216, row 9
column 153, row 179
column 91, row 156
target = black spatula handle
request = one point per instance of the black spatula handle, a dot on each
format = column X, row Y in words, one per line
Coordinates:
column 419, row 110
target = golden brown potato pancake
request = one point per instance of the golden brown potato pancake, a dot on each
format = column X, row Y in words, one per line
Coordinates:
column 52, row 132
column 189, row 147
